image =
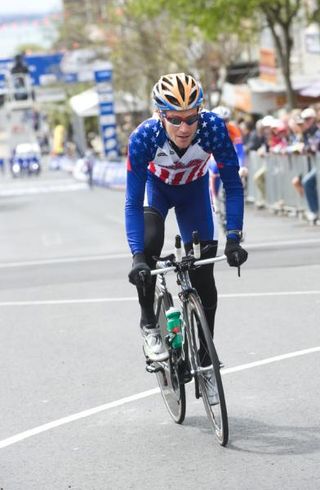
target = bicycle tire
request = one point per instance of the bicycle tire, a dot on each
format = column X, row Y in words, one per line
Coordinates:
column 171, row 386
column 217, row 414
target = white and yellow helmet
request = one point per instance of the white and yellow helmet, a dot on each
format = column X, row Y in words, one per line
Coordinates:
column 177, row 92
column 223, row 112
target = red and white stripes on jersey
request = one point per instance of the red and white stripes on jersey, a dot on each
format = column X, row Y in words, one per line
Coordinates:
column 175, row 170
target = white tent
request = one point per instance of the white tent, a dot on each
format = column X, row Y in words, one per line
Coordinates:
column 86, row 104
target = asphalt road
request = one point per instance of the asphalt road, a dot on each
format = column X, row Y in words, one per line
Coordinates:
column 78, row 410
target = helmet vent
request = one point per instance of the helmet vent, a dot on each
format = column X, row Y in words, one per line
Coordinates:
column 173, row 100
column 177, row 91
column 166, row 80
column 181, row 88
column 158, row 101
column 192, row 97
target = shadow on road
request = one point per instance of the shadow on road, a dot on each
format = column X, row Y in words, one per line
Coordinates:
column 253, row 436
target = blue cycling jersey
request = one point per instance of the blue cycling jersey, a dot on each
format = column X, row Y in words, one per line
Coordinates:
column 178, row 181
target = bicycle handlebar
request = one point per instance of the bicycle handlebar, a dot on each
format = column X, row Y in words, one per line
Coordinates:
column 163, row 269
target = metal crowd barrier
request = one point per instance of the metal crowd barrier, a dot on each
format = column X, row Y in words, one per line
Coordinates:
column 270, row 180
column 317, row 165
column 255, row 163
column 109, row 174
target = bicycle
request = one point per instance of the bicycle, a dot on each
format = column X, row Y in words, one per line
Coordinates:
column 183, row 363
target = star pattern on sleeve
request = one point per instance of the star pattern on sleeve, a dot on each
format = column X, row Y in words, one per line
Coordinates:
column 143, row 142
column 214, row 136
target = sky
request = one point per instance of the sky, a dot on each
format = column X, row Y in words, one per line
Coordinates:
column 29, row 6
column 12, row 33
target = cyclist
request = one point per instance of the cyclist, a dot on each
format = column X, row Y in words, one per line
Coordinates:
column 168, row 167
column 236, row 138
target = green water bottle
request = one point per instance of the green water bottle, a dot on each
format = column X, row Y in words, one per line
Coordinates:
column 174, row 327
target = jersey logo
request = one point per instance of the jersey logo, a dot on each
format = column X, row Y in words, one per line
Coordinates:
column 177, row 165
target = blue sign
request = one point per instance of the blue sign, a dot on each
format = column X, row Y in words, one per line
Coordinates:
column 103, row 76
column 2, row 81
column 70, row 77
column 107, row 116
column 44, row 65
column 40, row 66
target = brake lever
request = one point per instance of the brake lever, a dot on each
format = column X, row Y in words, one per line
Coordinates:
column 238, row 262
column 163, row 259
column 142, row 276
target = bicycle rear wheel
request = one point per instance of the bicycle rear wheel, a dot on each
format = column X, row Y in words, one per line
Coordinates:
column 200, row 337
column 168, row 376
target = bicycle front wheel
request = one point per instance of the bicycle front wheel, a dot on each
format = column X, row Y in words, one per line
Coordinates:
column 201, row 342
column 169, row 379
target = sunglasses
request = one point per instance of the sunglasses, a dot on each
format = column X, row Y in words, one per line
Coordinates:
column 177, row 121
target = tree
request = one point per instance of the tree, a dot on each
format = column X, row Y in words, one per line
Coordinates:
column 241, row 17
column 29, row 48
column 142, row 49
column 156, row 40
column 279, row 16
column 314, row 12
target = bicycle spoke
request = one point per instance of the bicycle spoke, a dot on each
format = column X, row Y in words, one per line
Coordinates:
column 171, row 387
column 206, row 360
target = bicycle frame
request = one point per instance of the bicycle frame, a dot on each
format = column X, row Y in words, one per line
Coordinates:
column 185, row 364
column 181, row 269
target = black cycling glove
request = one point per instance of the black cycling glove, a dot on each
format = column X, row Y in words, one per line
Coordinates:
column 139, row 266
column 236, row 255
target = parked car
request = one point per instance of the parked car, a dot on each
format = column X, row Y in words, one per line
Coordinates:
column 26, row 160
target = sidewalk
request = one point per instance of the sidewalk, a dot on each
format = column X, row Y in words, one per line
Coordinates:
column 262, row 225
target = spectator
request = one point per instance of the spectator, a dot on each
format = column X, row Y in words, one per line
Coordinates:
column 89, row 161
column 278, row 141
column 295, row 134
column 260, row 175
column 295, row 146
column 311, row 137
column 256, row 138
column 19, row 65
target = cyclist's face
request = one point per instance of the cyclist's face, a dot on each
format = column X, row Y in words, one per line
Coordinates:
column 182, row 128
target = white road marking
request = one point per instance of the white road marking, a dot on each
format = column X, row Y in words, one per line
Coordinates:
column 269, row 360
column 145, row 394
column 282, row 243
column 134, row 298
column 119, row 256
column 22, row 191
column 64, row 260
column 9, row 184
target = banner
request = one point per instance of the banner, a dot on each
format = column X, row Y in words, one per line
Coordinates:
column 41, row 66
column 107, row 116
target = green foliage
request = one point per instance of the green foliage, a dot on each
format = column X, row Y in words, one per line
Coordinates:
column 30, row 48
column 145, row 49
column 58, row 114
column 241, row 18
column 314, row 14
column 212, row 17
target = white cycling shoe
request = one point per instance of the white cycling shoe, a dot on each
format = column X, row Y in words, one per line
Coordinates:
column 211, row 387
column 153, row 346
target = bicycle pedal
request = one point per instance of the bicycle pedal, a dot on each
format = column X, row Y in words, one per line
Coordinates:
column 187, row 377
column 184, row 373
column 152, row 369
